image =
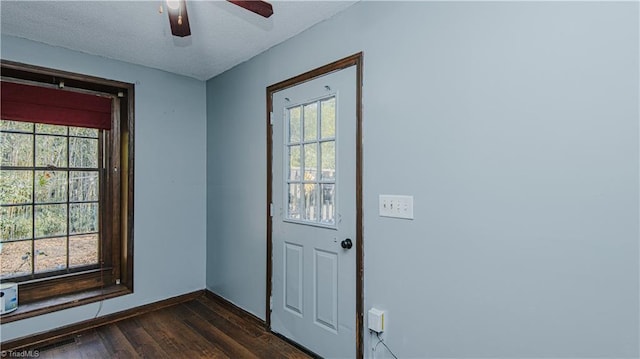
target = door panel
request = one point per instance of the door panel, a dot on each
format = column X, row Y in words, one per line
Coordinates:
column 293, row 277
column 326, row 289
column 314, row 197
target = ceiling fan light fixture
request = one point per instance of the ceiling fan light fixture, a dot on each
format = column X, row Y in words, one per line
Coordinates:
column 179, row 20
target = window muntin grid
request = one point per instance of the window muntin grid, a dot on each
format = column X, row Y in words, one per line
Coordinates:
column 49, row 199
column 311, row 162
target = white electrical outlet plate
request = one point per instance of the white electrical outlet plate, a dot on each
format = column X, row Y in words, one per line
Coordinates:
column 375, row 320
column 396, row 206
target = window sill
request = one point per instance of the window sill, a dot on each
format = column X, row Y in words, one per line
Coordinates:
column 50, row 305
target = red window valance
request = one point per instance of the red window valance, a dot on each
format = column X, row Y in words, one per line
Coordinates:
column 27, row 103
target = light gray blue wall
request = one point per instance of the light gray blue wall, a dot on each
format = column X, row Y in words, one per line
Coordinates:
column 514, row 125
column 170, row 180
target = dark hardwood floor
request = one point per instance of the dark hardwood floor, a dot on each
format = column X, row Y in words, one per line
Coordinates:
column 200, row 328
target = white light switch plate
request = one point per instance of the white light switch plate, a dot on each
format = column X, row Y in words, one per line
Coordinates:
column 396, row 206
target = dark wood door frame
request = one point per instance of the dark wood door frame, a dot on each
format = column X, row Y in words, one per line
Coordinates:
column 353, row 60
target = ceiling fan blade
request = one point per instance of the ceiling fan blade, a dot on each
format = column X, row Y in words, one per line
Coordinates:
column 177, row 28
column 261, row 8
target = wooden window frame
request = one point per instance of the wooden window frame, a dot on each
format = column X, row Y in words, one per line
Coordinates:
column 114, row 276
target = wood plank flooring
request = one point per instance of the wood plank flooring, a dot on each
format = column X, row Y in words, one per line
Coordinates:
column 200, row 328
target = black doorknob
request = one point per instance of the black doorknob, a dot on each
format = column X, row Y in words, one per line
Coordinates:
column 346, row 244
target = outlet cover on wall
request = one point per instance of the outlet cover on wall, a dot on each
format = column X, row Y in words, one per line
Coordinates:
column 375, row 320
column 396, row 206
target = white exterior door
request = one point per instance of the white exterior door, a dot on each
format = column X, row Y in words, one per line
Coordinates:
column 314, row 216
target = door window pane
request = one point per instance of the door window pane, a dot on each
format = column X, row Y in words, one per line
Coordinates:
column 310, row 162
column 294, row 201
column 328, row 153
column 51, row 186
column 294, row 163
column 311, row 121
column 327, row 204
column 51, row 151
column 328, row 121
column 311, row 202
column 295, row 127
column 50, row 254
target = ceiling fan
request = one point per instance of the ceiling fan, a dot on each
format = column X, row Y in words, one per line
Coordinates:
column 179, row 19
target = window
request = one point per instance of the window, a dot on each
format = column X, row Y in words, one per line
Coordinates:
column 66, row 185
column 311, row 158
column 50, row 199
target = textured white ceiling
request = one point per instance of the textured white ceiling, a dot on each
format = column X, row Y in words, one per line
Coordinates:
column 222, row 34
